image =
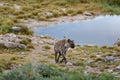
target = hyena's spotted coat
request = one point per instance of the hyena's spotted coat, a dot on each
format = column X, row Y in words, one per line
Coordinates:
column 61, row 48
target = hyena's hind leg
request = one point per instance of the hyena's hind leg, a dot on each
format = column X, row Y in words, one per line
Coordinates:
column 56, row 57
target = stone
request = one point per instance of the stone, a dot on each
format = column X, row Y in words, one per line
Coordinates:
column 99, row 53
column 14, row 45
column 110, row 70
column 69, row 64
column 63, row 9
column 22, row 53
column 109, row 58
column 84, row 52
column 16, row 28
column 17, row 6
column 11, row 40
column 118, row 67
column 48, row 14
column 41, row 42
column 10, row 35
column 87, row 13
column 88, row 68
column 88, row 61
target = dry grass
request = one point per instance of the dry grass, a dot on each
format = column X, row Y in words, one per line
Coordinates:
column 37, row 8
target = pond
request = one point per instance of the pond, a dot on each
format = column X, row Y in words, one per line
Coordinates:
column 102, row 30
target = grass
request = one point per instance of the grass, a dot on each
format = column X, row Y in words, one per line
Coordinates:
column 77, row 58
column 23, row 31
column 47, row 47
column 6, row 28
column 10, row 15
column 27, row 42
column 9, row 60
column 72, row 7
column 78, row 63
column 36, row 9
column 43, row 72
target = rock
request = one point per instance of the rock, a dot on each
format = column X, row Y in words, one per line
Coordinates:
column 11, row 40
column 48, row 14
column 88, row 68
column 87, row 13
column 17, row 6
column 1, row 4
column 15, row 28
column 35, row 42
column 41, row 42
column 22, row 53
column 69, row 64
column 88, row 61
column 99, row 53
column 117, row 42
column 10, row 35
column 14, row 45
column 64, row 10
column 109, row 58
column 110, row 70
column 84, row 52
column 118, row 67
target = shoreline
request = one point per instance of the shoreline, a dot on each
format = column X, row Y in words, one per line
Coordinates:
column 32, row 23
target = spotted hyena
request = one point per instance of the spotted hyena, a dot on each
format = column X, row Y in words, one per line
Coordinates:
column 61, row 48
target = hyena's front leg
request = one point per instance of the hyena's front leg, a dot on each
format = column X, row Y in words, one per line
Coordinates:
column 64, row 58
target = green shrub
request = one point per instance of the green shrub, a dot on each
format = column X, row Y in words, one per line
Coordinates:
column 78, row 63
column 43, row 72
column 31, row 72
column 4, row 28
column 24, row 30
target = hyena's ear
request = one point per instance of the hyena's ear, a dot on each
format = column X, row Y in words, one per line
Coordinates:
column 68, row 40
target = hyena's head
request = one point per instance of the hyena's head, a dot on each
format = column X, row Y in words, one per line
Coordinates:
column 71, row 43
column 117, row 42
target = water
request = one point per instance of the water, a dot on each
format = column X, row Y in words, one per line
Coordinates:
column 102, row 30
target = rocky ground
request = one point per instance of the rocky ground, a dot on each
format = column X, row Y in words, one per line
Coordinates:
column 92, row 59
column 20, row 49
column 16, row 49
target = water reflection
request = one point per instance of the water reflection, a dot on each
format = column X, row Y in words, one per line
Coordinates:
column 102, row 30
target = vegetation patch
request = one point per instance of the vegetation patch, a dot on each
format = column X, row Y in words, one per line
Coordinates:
column 17, row 29
column 46, row 47
column 43, row 72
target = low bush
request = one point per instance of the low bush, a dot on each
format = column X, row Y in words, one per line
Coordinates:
column 24, row 30
column 43, row 72
column 46, row 47
column 4, row 28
